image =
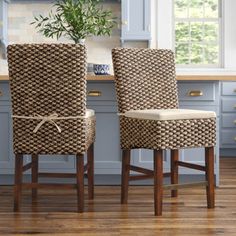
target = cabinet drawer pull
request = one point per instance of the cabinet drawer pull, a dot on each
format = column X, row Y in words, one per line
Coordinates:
column 235, row 90
column 235, row 139
column 1, row 93
column 94, row 93
column 195, row 93
column 235, row 122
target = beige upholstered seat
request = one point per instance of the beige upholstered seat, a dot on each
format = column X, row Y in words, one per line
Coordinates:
column 150, row 118
column 169, row 114
column 48, row 89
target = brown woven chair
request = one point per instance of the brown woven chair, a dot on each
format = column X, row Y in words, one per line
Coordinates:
column 48, row 89
column 149, row 118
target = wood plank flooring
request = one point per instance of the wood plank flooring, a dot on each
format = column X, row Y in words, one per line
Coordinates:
column 54, row 212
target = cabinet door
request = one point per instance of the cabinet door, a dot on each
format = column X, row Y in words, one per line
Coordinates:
column 136, row 18
column 107, row 152
column 144, row 158
column 6, row 155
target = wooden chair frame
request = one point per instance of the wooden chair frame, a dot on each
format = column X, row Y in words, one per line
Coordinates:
column 158, row 175
column 34, row 185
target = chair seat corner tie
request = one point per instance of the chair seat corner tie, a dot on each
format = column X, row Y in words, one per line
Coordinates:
column 51, row 119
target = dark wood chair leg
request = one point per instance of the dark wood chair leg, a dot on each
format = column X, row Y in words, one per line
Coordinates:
column 210, row 178
column 34, row 175
column 90, row 157
column 125, row 175
column 174, row 171
column 158, row 181
column 18, row 181
column 80, row 181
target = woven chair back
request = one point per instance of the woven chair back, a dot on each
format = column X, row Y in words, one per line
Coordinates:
column 145, row 79
column 48, row 79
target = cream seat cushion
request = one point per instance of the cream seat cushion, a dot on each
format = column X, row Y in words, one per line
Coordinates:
column 169, row 114
column 89, row 113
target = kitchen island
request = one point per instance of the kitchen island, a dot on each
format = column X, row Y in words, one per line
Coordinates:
column 195, row 92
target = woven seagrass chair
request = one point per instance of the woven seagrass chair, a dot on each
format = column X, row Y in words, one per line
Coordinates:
column 48, row 89
column 149, row 118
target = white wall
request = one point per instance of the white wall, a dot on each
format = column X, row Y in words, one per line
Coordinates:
column 230, row 33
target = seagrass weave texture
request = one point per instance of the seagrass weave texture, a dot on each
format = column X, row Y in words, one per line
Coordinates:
column 47, row 79
column 145, row 79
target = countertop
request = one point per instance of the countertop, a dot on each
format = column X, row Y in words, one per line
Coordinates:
column 179, row 77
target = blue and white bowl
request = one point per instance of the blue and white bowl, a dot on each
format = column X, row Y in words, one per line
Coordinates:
column 101, row 69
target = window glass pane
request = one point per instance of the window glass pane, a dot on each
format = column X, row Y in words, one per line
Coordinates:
column 196, row 9
column 211, row 8
column 196, row 29
column 197, row 35
column 181, row 8
column 182, row 32
column 182, row 53
column 211, row 31
column 196, row 53
column 211, row 54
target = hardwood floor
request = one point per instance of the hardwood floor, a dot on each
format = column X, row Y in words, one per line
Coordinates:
column 54, row 213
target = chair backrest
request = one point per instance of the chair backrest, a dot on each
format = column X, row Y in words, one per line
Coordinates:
column 145, row 79
column 46, row 79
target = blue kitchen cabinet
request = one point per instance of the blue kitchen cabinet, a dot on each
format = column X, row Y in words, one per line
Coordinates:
column 102, row 98
column 228, row 119
column 6, row 148
column 136, row 20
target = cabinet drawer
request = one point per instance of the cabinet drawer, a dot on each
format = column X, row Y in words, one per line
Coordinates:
column 229, row 88
column 4, row 92
column 228, row 120
column 101, row 91
column 196, row 91
column 228, row 105
column 228, row 137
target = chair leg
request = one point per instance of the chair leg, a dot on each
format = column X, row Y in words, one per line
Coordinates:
column 125, row 175
column 174, row 171
column 90, row 157
column 210, row 178
column 18, row 181
column 80, row 181
column 158, row 181
column 34, row 175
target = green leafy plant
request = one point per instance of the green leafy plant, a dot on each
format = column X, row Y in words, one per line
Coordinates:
column 75, row 19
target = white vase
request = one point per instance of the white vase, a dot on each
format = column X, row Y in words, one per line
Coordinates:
column 82, row 41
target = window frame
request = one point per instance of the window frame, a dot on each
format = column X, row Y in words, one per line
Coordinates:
column 220, row 21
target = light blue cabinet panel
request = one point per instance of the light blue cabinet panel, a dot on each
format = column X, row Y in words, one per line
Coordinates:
column 6, row 154
column 228, row 104
column 4, row 92
column 228, row 120
column 105, row 89
column 136, row 19
column 228, row 137
column 188, row 91
column 107, row 145
column 228, row 88
column 55, row 163
column 144, row 158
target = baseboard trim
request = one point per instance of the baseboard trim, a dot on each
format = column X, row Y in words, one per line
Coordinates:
column 103, row 180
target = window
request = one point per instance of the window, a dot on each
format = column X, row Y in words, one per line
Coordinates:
column 197, row 33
